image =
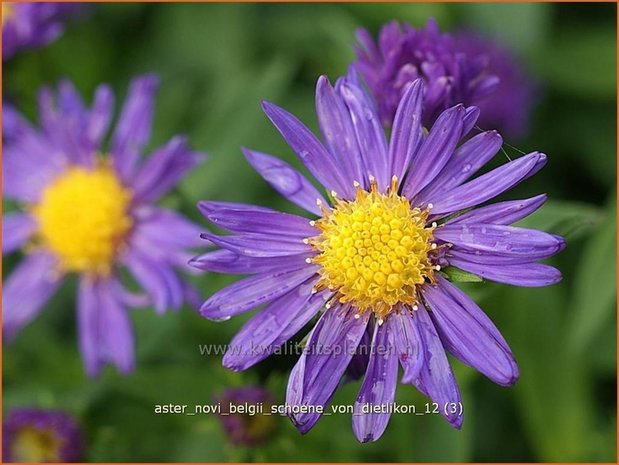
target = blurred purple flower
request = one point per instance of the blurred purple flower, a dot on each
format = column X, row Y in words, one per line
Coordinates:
column 246, row 429
column 30, row 25
column 455, row 69
column 374, row 254
column 36, row 435
column 91, row 210
column 508, row 108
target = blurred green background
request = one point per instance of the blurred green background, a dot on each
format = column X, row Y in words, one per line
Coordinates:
column 217, row 61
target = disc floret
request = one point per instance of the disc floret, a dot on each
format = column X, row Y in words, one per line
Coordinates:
column 373, row 250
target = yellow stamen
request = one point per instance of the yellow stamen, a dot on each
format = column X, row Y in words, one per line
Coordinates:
column 374, row 250
column 83, row 219
column 32, row 445
column 7, row 12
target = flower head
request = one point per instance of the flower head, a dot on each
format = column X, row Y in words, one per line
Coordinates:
column 31, row 25
column 242, row 415
column 372, row 257
column 35, row 435
column 90, row 210
column 455, row 69
column 508, row 107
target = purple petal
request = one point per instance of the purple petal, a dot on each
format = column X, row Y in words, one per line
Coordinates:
column 437, row 93
column 436, row 380
column 485, row 258
column 134, row 125
column 165, row 231
column 63, row 121
column 165, row 237
column 389, row 36
column 272, row 327
column 164, row 169
column 338, row 133
column 286, row 180
column 485, row 88
column 69, row 101
column 502, row 212
column 212, row 206
column 470, row 118
column 100, row 116
column 129, row 298
column 435, row 150
column 191, row 295
column 469, row 334
column 488, row 185
column 72, row 119
column 369, row 48
column 464, row 163
column 370, row 134
column 88, row 309
column 359, row 362
column 247, row 220
column 256, row 290
column 352, row 77
column 407, row 132
column 28, row 166
column 329, row 349
column 105, row 331
column 16, row 230
column 503, row 240
column 525, row 274
column 308, row 148
column 378, row 388
column 225, row 261
column 89, row 126
column 14, row 125
column 26, row 290
column 260, row 245
column 157, row 277
column 407, row 342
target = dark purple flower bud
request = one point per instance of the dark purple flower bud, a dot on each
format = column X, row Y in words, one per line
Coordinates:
column 37, row 435
column 455, row 69
column 246, row 415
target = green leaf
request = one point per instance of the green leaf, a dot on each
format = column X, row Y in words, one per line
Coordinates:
column 506, row 21
column 569, row 219
column 236, row 119
column 554, row 394
column 375, row 13
column 595, row 285
column 592, row 53
column 456, row 275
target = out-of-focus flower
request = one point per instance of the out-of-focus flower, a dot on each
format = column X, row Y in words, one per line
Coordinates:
column 509, row 106
column 36, row 435
column 373, row 256
column 90, row 211
column 250, row 426
column 27, row 25
column 455, row 69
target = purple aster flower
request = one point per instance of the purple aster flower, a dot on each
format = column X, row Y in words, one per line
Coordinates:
column 36, row 435
column 89, row 209
column 455, row 69
column 243, row 415
column 30, row 25
column 372, row 256
column 510, row 104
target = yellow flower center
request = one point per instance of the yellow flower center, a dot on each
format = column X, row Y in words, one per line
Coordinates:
column 83, row 218
column 374, row 250
column 32, row 445
column 7, row 12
